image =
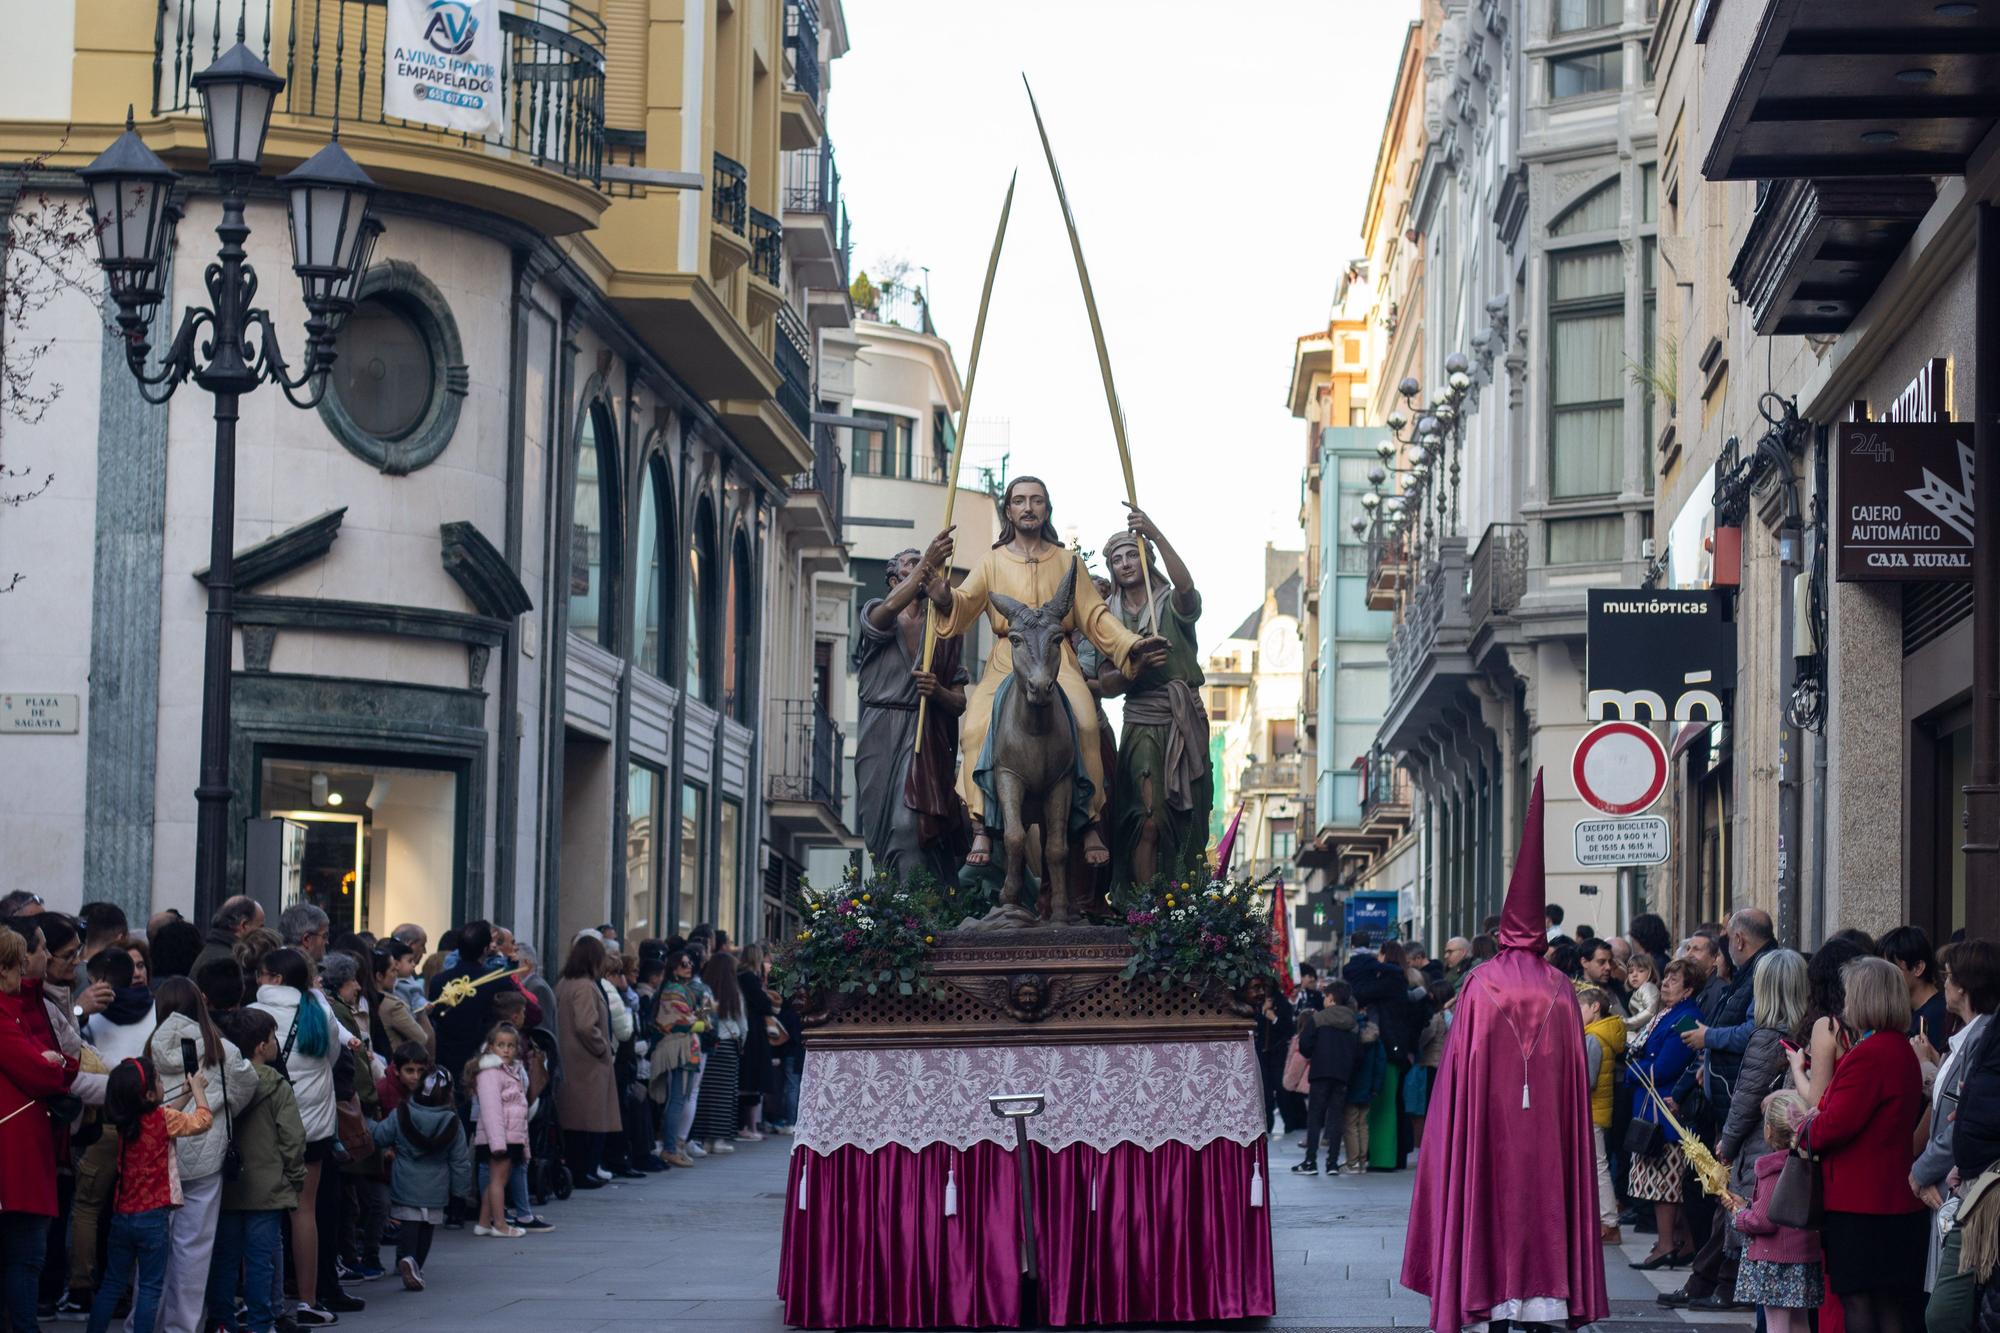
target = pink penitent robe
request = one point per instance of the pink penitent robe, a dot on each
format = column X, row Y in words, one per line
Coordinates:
column 1503, row 1224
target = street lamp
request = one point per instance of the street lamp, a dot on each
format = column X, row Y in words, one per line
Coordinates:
column 231, row 346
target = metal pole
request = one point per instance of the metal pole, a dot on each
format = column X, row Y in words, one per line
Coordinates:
column 1790, row 814
column 211, row 848
column 1029, row 1270
column 1982, row 794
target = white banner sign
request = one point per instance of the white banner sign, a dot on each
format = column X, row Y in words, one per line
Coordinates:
column 1622, row 842
column 444, row 64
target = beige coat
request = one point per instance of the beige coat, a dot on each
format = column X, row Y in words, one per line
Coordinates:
column 587, row 1101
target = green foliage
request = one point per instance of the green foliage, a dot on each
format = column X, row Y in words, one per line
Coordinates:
column 1197, row 935
column 867, row 936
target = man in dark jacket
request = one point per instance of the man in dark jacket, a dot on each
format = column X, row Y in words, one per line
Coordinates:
column 232, row 921
column 1330, row 1040
column 461, row 1027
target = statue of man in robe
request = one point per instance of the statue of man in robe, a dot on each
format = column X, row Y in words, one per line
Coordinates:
column 1162, row 790
column 910, row 813
column 1030, row 564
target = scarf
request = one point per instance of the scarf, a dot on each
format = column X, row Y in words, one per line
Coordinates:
column 128, row 1005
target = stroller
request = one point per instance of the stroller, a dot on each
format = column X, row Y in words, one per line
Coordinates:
column 548, row 1174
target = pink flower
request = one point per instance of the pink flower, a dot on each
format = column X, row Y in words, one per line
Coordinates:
column 1138, row 918
column 845, row 908
column 850, row 939
column 909, row 923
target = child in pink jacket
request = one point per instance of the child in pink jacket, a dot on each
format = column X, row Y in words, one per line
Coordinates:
column 500, row 1138
column 1781, row 1265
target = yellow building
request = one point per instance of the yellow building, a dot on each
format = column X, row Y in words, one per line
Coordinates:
column 580, row 379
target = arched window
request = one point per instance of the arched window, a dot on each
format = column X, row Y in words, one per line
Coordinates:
column 653, row 575
column 593, row 544
column 737, row 619
column 700, row 606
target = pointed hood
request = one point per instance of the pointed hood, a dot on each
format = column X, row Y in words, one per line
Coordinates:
column 1522, row 923
column 1226, row 849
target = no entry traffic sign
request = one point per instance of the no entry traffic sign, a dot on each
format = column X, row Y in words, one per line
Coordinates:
column 1620, row 768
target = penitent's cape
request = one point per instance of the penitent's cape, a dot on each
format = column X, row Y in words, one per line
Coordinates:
column 1504, row 1221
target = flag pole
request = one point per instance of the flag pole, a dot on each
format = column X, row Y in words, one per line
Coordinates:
column 1103, row 352
column 958, row 445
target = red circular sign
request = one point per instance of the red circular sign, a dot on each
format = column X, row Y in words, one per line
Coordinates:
column 1619, row 768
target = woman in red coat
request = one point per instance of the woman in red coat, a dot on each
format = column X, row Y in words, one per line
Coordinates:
column 29, row 1071
column 1874, row 1233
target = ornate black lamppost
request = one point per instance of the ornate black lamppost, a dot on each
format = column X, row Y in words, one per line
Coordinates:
column 230, row 346
column 1429, row 437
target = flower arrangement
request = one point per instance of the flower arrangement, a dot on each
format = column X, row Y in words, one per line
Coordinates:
column 1195, row 934
column 871, row 936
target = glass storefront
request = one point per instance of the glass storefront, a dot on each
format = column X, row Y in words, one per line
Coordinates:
column 372, row 845
column 694, row 854
column 642, row 787
column 726, row 864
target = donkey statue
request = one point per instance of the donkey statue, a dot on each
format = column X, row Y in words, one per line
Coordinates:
column 1034, row 763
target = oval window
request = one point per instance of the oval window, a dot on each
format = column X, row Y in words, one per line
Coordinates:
column 384, row 373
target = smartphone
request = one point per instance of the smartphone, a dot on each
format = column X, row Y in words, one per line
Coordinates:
column 1687, row 1024
column 1788, row 1043
column 190, row 1063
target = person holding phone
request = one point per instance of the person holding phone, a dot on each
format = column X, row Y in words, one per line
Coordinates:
column 1657, row 1176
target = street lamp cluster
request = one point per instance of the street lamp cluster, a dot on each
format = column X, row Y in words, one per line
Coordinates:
column 230, row 346
column 1428, row 435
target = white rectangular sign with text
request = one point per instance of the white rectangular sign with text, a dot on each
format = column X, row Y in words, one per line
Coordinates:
column 443, row 65
column 1622, row 842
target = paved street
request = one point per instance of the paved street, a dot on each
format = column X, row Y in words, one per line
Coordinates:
column 697, row 1251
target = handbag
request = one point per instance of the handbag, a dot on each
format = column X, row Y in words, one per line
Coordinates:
column 1644, row 1138
column 351, row 1128
column 1298, row 1069
column 1796, row 1200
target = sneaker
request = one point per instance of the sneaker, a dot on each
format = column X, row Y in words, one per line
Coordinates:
column 482, row 1230
column 507, row 1233
column 534, row 1222
column 74, row 1305
column 588, row 1183
column 1306, row 1168
column 603, row 1174
column 347, row 1272
column 311, row 1316
column 679, row 1159
column 345, row 1304
column 653, row 1163
column 780, row 1129
column 693, row 1150
column 627, row 1173
column 749, row 1136
column 369, row 1271
column 413, row 1278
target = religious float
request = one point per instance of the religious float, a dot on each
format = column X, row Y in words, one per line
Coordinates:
column 1009, row 1116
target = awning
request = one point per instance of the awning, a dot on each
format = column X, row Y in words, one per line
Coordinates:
column 1861, row 88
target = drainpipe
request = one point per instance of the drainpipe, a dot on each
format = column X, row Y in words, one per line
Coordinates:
column 1790, row 847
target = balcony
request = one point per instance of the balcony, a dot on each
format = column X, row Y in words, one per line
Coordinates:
column 815, row 501
column 1498, row 577
column 1388, row 572
column 1311, row 590
column 1309, row 700
column 815, row 219
column 803, row 773
column 543, row 166
column 802, row 124
column 776, row 425
column 728, row 217
column 767, row 262
column 1428, row 659
column 1278, row 775
column 1817, row 249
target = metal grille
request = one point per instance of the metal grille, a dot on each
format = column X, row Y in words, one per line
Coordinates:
column 731, row 206
column 333, row 55
column 1929, row 609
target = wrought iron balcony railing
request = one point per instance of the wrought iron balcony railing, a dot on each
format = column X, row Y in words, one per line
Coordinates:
column 792, row 352
column 731, row 203
column 828, row 474
column 802, row 44
column 333, row 54
column 1499, row 574
column 812, row 184
column 805, row 758
column 767, row 246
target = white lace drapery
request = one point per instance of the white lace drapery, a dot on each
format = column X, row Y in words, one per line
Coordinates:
column 1148, row 1093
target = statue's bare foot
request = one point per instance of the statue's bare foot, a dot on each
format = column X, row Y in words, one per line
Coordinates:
column 1095, row 853
column 982, row 849
column 1003, row 917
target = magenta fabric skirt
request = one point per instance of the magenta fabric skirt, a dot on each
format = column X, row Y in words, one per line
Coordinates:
column 1173, row 1235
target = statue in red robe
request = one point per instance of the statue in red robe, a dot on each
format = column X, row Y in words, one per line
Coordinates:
column 1503, row 1225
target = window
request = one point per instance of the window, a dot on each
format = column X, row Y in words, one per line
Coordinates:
column 1649, row 321
column 1284, row 738
column 398, row 377
column 694, row 854
column 1649, row 192
column 700, row 624
column 385, row 369
column 888, row 449
column 641, row 850
column 655, row 568
column 1595, row 212
column 1284, row 839
column 1585, row 541
column 1586, row 371
column 1586, row 73
column 944, row 438
column 726, row 863
column 1576, row 15
column 736, row 622
column 592, row 533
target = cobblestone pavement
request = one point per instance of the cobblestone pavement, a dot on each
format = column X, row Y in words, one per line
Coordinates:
column 696, row 1251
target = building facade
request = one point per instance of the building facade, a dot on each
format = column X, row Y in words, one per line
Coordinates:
column 1253, row 680
column 1510, row 229
column 517, row 605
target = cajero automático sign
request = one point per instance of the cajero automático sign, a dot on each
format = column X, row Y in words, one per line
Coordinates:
column 1905, row 502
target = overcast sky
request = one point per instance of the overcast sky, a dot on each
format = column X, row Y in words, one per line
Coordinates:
column 1217, row 159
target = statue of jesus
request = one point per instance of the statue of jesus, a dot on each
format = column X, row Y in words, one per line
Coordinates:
column 1029, row 564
